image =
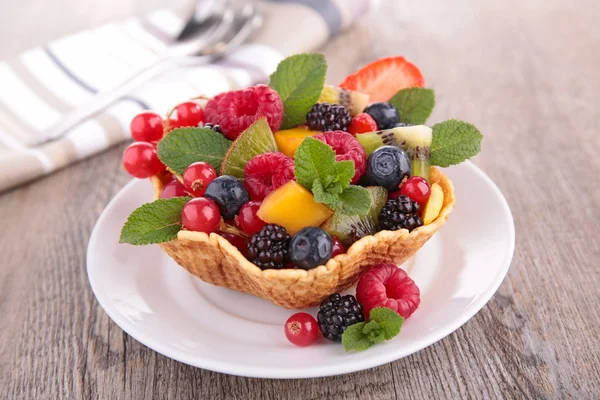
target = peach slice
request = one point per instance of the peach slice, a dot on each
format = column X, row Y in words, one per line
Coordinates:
column 434, row 204
column 293, row 207
column 288, row 140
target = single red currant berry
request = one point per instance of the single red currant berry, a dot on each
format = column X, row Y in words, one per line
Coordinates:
column 247, row 219
column 338, row 247
column 197, row 176
column 201, row 215
column 362, row 123
column 146, row 127
column 301, row 329
column 240, row 242
column 141, row 160
column 173, row 189
column 189, row 113
column 418, row 189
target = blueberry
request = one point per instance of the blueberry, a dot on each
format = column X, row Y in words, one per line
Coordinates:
column 229, row 194
column 387, row 167
column 384, row 114
column 400, row 125
column 310, row 247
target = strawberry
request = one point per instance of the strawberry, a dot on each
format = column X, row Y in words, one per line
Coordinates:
column 382, row 78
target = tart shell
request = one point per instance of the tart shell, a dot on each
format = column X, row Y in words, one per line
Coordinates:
column 216, row 261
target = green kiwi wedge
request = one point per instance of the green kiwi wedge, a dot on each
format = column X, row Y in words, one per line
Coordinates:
column 355, row 102
column 349, row 228
column 256, row 139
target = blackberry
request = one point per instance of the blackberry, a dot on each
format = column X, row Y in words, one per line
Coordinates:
column 328, row 117
column 269, row 247
column 337, row 313
column 400, row 213
column 214, row 127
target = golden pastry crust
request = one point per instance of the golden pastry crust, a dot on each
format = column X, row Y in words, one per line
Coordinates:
column 214, row 260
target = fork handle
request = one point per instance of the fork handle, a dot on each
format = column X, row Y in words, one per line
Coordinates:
column 102, row 100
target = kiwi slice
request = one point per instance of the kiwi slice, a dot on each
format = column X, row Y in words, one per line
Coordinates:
column 349, row 228
column 355, row 102
column 414, row 139
column 256, row 139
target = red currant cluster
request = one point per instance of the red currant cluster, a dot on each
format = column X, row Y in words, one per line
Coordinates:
column 140, row 159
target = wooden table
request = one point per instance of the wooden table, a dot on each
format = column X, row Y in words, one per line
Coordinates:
column 525, row 72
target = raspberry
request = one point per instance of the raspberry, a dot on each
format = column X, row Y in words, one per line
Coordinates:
column 269, row 247
column 400, row 213
column 346, row 148
column 266, row 172
column 386, row 285
column 236, row 110
column 210, row 111
column 328, row 117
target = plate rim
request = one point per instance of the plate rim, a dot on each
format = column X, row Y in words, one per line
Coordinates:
column 305, row 373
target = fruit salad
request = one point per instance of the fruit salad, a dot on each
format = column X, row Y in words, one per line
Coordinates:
column 297, row 190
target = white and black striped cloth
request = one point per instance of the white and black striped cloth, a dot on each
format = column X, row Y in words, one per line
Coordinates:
column 38, row 87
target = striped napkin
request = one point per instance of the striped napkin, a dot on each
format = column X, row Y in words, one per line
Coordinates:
column 38, row 87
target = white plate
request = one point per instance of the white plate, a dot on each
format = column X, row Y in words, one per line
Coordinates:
column 161, row 305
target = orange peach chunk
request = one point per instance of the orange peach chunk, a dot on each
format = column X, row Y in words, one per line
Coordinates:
column 293, row 207
column 288, row 140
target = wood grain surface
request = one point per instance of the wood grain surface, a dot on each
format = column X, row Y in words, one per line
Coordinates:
column 525, row 72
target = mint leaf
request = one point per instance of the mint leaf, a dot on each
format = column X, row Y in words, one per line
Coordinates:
column 388, row 320
column 184, row 146
column 353, row 339
column 155, row 222
column 454, row 142
column 354, row 200
column 313, row 160
column 315, row 168
column 414, row 104
column 331, row 200
column 374, row 332
column 299, row 80
column 344, row 172
column 383, row 324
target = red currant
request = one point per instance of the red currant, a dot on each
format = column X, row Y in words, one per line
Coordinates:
column 147, row 127
column 173, row 189
column 417, row 188
column 141, row 160
column 301, row 329
column 338, row 247
column 201, row 215
column 247, row 219
column 197, row 176
column 362, row 123
column 240, row 242
column 188, row 113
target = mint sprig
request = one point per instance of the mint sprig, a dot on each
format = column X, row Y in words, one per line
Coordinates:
column 414, row 104
column 299, row 80
column 383, row 324
column 453, row 142
column 155, row 222
column 316, row 169
column 184, row 146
